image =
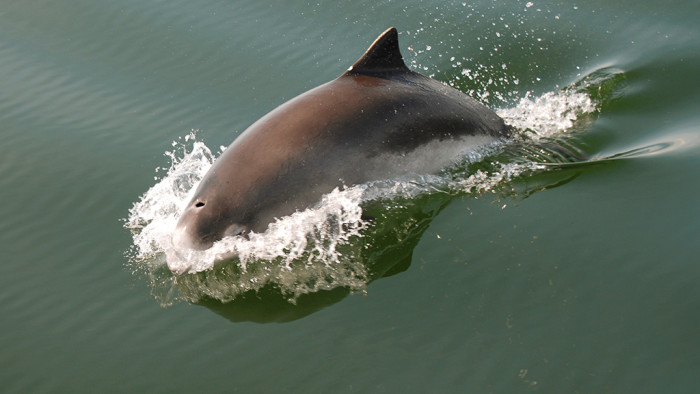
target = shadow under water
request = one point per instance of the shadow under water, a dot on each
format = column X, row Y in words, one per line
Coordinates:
column 396, row 229
column 387, row 250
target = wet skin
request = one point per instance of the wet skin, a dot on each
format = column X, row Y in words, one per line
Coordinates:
column 363, row 126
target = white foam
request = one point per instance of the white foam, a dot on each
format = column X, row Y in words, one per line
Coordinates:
column 548, row 115
column 336, row 218
column 154, row 216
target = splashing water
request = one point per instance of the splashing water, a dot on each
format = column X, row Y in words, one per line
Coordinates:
column 154, row 216
column 320, row 248
column 548, row 115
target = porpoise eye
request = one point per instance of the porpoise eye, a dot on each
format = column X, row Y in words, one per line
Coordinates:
column 234, row 230
column 199, row 204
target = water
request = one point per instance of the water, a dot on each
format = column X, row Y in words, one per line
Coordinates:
column 568, row 278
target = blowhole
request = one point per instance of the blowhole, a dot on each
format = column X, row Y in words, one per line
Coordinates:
column 199, row 204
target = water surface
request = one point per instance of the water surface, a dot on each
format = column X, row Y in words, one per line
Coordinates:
column 581, row 278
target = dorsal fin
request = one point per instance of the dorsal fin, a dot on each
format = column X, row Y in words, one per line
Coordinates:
column 383, row 56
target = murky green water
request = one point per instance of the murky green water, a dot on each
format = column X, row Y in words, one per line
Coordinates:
column 583, row 279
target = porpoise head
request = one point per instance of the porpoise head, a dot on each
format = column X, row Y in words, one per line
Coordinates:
column 205, row 221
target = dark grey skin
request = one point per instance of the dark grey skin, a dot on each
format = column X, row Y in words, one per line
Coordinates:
column 368, row 124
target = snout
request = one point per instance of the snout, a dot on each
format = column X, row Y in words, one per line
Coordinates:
column 185, row 238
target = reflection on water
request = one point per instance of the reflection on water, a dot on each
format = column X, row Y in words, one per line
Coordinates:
column 386, row 249
column 676, row 143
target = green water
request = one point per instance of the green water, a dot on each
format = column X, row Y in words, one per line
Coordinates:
column 590, row 286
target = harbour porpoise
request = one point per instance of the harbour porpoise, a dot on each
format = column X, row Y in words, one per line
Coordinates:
column 378, row 120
